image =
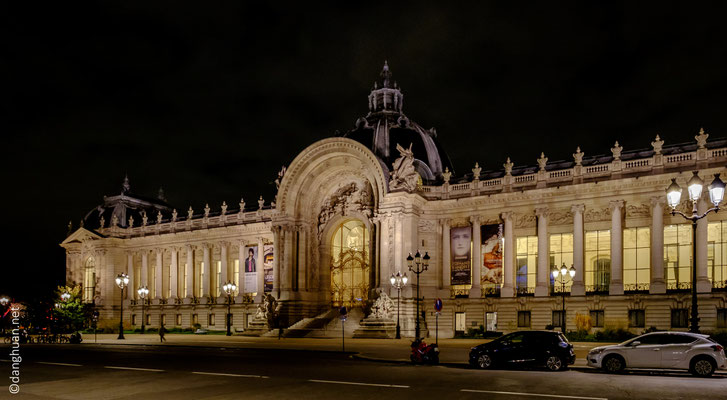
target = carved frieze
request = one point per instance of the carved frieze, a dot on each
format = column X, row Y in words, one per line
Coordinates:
column 561, row 217
column 524, row 220
column 638, row 210
column 426, row 225
column 348, row 198
column 598, row 214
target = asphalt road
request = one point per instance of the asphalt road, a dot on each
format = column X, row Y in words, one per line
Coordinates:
column 186, row 372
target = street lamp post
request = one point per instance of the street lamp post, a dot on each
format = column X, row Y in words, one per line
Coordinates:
column 122, row 280
column 417, row 265
column 398, row 281
column 230, row 289
column 673, row 196
column 3, row 302
column 563, row 276
column 143, row 292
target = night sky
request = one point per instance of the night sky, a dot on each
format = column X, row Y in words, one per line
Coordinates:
column 209, row 100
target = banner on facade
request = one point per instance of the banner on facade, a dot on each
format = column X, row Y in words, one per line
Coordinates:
column 268, row 267
column 491, row 254
column 461, row 249
column 249, row 267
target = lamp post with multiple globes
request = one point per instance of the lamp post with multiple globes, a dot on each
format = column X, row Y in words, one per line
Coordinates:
column 417, row 265
column 143, row 292
column 229, row 289
column 398, row 281
column 673, row 197
column 563, row 276
column 122, row 280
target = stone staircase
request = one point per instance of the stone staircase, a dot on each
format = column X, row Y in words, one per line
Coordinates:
column 327, row 324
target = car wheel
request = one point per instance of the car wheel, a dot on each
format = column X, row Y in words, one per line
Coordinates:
column 702, row 367
column 613, row 364
column 484, row 361
column 554, row 363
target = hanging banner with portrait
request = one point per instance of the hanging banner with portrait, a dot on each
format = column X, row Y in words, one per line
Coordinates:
column 491, row 255
column 268, row 267
column 461, row 249
column 249, row 268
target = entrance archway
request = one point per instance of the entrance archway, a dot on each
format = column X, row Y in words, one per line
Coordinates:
column 350, row 264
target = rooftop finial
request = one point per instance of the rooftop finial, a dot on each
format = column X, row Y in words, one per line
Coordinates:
column 125, row 187
column 385, row 75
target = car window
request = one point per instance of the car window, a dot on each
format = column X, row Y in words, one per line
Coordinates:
column 677, row 339
column 516, row 338
column 651, row 339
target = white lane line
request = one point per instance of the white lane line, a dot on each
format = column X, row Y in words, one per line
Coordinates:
column 359, row 383
column 234, row 375
column 61, row 364
column 557, row 396
column 4, row 360
column 134, row 369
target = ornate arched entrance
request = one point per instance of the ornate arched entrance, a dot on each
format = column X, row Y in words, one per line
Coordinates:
column 350, row 264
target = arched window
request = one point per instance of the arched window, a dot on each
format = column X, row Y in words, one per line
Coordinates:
column 350, row 266
column 89, row 280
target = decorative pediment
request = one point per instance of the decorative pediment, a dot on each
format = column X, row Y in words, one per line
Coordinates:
column 82, row 235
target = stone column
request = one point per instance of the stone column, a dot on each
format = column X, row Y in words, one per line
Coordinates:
column 277, row 237
column 241, row 256
column 446, row 256
column 578, row 288
column 174, row 273
column 144, row 281
column 703, row 283
column 302, row 251
column 158, row 276
column 224, row 267
column 508, row 257
column 541, row 288
column 658, row 284
column 207, row 271
column 616, row 286
column 131, row 290
column 189, row 292
column 476, row 291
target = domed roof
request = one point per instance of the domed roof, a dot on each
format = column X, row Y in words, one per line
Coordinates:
column 385, row 126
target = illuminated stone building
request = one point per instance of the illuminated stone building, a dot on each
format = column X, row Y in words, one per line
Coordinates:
column 350, row 209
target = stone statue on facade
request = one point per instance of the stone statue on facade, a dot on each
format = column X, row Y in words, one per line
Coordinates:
column 542, row 161
column 190, row 213
column 383, row 307
column 174, row 215
column 657, row 144
column 701, row 138
column 224, row 207
column 616, row 151
column 101, row 222
column 476, row 171
column 242, row 205
column 578, row 156
column 114, row 221
column 446, row 175
column 508, row 166
column 159, row 217
column 279, row 179
column 260, row 203
column 404, row 176
column 144, row 218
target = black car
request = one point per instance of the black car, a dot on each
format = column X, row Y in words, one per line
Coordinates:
column 543, row 348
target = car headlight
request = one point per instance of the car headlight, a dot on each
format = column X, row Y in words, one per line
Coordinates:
column 595, row 352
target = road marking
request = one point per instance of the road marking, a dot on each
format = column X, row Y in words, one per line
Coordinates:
column 61, row 364
column 558, row 396
column 235, row 375
column 359, row 383
column 134, row 369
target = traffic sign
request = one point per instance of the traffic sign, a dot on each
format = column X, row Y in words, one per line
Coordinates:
column 438, row 305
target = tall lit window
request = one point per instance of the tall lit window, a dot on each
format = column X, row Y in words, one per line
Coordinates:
column 350, row 268
column 89, row 280
column 678, row 254
column 717, row 252
column 184, row 282
column 561, row 252
column 598, row 260
column 237, row 273
column 637, row 257
column 527, row 262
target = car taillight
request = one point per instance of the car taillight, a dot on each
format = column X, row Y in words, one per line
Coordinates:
column 717, row 348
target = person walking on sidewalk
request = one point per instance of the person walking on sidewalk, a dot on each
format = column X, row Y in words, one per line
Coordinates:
column 161, row 334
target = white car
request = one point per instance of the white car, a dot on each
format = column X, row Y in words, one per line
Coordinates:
column 694, row 352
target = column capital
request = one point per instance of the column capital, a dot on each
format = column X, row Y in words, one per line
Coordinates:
column 445, row 221
column 616, row 205
column 507, row 215
column 578, row 208
column 658, row 201
column 475, row 219
column 542, row 212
